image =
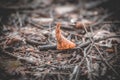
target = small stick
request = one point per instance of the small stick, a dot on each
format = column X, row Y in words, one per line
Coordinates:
column 32, row 42
column 47, row 47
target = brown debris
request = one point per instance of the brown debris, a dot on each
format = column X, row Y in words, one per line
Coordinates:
column 31, row 38
column 12, row 41
column 80, row 24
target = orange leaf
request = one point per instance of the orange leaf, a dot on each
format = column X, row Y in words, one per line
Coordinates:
column 62, row 42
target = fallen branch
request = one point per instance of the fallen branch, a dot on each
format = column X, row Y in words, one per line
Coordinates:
column 54, row 47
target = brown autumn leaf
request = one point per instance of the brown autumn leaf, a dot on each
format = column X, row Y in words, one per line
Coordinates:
column 62, row 42
column 79, row 24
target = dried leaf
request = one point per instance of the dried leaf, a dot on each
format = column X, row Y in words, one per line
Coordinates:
column 62, row 42
column 79, row 24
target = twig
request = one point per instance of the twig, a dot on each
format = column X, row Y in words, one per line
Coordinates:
column 88, row 65
column 61, row 73
column 30, row 21
column 19, row 19
column 85, row 53
column 76, row 69
column 47, row 47
column 32, row 42
column 67, row 28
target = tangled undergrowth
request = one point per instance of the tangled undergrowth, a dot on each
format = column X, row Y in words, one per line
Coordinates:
column 28, row 46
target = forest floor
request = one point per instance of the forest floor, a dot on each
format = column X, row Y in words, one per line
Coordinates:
column 28, row 49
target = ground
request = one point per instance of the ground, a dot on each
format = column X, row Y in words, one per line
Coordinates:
column 28, row 45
